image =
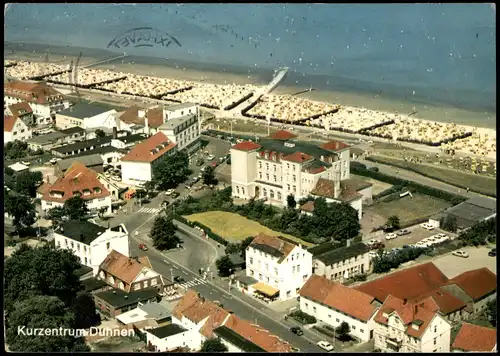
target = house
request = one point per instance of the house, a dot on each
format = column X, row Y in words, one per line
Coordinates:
column 403, row 326
column 15, row 129
column 149, row 119
column 19, row 167
column 23, row 111
column 278, row 166
column 475, row 338
column 93, row 161
column 47, row 142
column 114, row 302
column 169, row 337
column 131, row 273
column 86, row 116
column 74, row 134
column 183, row 131
column 44, row 100
column 145, row 316
column 91, row 243
column 180, row 110
column 138, row 164
column 280, row 265
column 81, row 181
column 93, row 285
column 340, row 263
column 80, row 147
column 333, row 303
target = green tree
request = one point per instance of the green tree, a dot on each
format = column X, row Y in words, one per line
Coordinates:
column 213, row 345
column 140, row 194
column 149, row 187
column 224, row 266
column 15, row 149
column 342, row 331
column 21, row 208
column 393, row 221
column 290, row 201
column 172, row 170
column 76, row 208
column 56, row 215
column 41, row 312
column 337, row 220
column 84, row 310
column 232, row 248
column 480, row 233
column 99, row 133
column 491, row 311
column 163, row 233
column 449, row 223
column 244, row 244
column 27, row 182
column 24, row 276
column 209, row 176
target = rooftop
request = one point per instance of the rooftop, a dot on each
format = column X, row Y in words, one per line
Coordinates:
column 282, row 135
column 39, row 93
column 340, row 254
column 237, row 340
column 178, row 121
column 475, row 338
column 87, row 161
column 149, row 150
column 119, row 299
column 82, row 271
column 467, row 214
column 72, row 130
column 96, row 142
column 84, row 110
column 137, row 115
column 81, row 231
column 92, row 284
column 273, row 245
column 133, row 138
column 167, row 330
column 20, row 109
column 179, row 106
column 48, row 138
column 477, row 283
column 18, row 167
column 122, row 267
column 9, row 122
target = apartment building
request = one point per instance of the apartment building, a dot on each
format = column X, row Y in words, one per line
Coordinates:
column 180, row 110
column 280, row 265
column 183, row 130
column 141, row 119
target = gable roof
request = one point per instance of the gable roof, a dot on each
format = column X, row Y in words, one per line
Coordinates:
column 39, row 93
column 77, row 179
column 324, row 188
column 347, row 300
column 87, row 160
column 475, row 338
column 154, row 116
column 149, row 150
column 122, row 267
column 246, row 146
column 335, row 146
column 9, row 122
column 282, row 135
column 408, row 283
column 442, row 300
column 477, row 283
column 20, row 109
column 273, row 245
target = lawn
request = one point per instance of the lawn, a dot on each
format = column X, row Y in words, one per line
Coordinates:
column 409, row 209
column 477, row 183
column 235, row 228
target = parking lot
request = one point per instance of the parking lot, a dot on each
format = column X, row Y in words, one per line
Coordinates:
column 478, row 257
column 416, row 234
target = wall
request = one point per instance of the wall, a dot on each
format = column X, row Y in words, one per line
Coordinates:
column 367, row 194
column 184, row 339
column 47, row 205
column 20, row 132
column 118, row 241
column 440, row 330
column 133, row 171
column 243, row 173
column 335, row 272
column 97, row 204
column 480, row 305
column 65, row 122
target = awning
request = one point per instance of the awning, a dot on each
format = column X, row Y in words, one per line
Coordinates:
column 266, row 289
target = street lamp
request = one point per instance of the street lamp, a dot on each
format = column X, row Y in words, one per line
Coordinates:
column 171, row 274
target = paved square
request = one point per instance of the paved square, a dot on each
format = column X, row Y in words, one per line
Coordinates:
column 452, row 266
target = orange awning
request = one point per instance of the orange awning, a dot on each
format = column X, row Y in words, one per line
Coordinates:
column 266, row 289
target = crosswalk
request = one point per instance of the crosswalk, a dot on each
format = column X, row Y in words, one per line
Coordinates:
column 149, row 210
column 193, row 283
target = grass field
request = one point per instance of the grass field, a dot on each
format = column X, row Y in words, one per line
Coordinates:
column 409, row 209
column 474, row 182
column 235, row 228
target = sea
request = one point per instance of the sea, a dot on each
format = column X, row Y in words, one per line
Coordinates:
column 417, row 54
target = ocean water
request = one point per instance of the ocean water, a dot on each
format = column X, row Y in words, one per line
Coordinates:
column 419, row 53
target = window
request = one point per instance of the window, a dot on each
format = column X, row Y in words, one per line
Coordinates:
column 267, row 266
column 267, row 166
column 288, row 165
column 294, row 178
column 294, row 189
column 238, row 190
column 72, row 244
column 137, row 286
column 293, row 167
column 435, row 328
column 260, row 164
column 274, row 177
column 314, row 309
column 267, row 176
column 298, row 268
column 435, row 340
column 267, row 279
column 264, row 192
column 276, row 271
column 307, row 305
column 86, row 260
column 288, row 187
column 361, row 331
column 108, row 245
column 260, row 175
column 251, row 260
column 353, row 327
column 330, row 316
column 279, row 195
column 145, row 284
column 78, row 247
column 242, row 190
column 337, row 320
column 111, row 280
column 251, row 272
column 58, row 243
column 274, row 166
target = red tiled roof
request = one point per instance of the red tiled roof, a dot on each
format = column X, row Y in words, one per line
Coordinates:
column 20, row 109
column 142, row 152
column 324, row 188
column 154, row 116
column 408, row 283
column 309, row 206
column 441, row 299
column 475, row 338
column 8, row 123
column 282, row 135
column 335, row 146
column 408, row 312
column 275, row 242
column 348, row 192
column 246, row 146
column 476, row 283
column 77, row 178
column 122, row 267
column 32, row 92
column 347, row 300
column 257, row 335
column 297, row 157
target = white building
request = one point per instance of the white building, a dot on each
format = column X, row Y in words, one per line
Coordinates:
column 81, row 181
column 172, row 336
column 278, row 166
column 15, row 129
column 182, row 131
column 403, row 326
column 280, row 265
column 86, row 116
column 333, row 303
column 137, row 165
column 23, row 111
column 44, row 100
column 180, row 110
column 91, row 243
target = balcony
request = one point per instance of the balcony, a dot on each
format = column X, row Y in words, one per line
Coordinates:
column 393, row 343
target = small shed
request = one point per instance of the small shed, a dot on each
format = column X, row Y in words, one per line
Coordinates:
column 19, row 167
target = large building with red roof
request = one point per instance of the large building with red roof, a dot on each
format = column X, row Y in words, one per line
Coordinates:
column 279, row 165
column 475, row 338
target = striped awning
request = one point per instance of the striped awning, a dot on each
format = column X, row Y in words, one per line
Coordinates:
column 266, row 289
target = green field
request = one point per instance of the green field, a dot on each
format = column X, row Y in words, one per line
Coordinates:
column 475, row 182
column 235, row 228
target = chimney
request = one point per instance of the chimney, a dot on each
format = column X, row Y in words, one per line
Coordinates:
column 405, row 301
column 115, row 132
column 146, row 123
column 337, row 145
column 81, row 237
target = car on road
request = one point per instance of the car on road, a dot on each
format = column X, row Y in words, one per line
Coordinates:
column 179, row 279
column 203, row 169
column 169, row 192
column 403, row 232
column 26, row 163
column 210, row 157
column 373, row 169
column 493, row 252
column 460, row 253
column 143, row 247
column 53, row 160
column 200, row 175
column 175, row 194
column 165, row 203
column 296, row 330
column 214, row 164
column 199, row 162
column 325, row 345
column 222, row 159
column 391, row 236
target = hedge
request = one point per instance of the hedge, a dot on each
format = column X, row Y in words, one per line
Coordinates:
column 417, row 187
column 207, row 230
column 324, row 331
column 302, row 317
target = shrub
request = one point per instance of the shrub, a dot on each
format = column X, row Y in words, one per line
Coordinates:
column 302, row 317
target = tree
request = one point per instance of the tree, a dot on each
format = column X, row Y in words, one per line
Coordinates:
column 99, row 133
column 15, row 149
column 84, row 310
column 449, row 223
column 337, row 220
column 149, row 186
column 163, row 233
column 244, row 244
column 393, row 221
column 140, row 194
column 76, row 208
column 21, row 209
column 56, row 215
column 24, row 276
column 480, row 233
column 209, row 176
column 232, row 248
column 213, row 345
column 290, row 201
column 343, row 331
column 491, row 310
column 26, row 182
column 224, row 266
column 41, row 312
column 172, row 170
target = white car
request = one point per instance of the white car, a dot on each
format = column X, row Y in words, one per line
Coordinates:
column 169, row 192
column 373, row 242
column 210, row 157
column 25, row 163
column 461, row 253
column 441, row 235
column 53, row 160
column 391, row 236
column 427, row 226
column 325, row 345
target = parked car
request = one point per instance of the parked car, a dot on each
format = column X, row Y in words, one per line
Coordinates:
column 200, row 175
column 460, row 253
column 165, row 203
column 427, row 226
column 377, row 246
column 296, row 330
column 372, row 242
column 373, row 169
column 26, row 163
column 403, row 232
column 222, row 159
column 169, row 192
column 199, row 162
column 493, row 252
column 178, row 279
column 143, row 247
column 391, row 236
column 325, row 345
column 203, row 169
column 53, row 160
column 175, row 194
column 210, row 157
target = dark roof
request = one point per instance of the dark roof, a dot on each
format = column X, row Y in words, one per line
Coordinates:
column 48, row 138
column 326, row 247
column 92, row 284
column 83, row 270
column 167, row 330
column 247, row 280
column 343, row 253
column 99, row 141
column 487, row 203
column 118, row 298
column 133, row 138
column 299, row 146
column 467, row 214
column 72, row 130
column 83, row 110
column 87, row 160
column 268, row 249
column 237, row 340
column 101, row 151
column 81, row 231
